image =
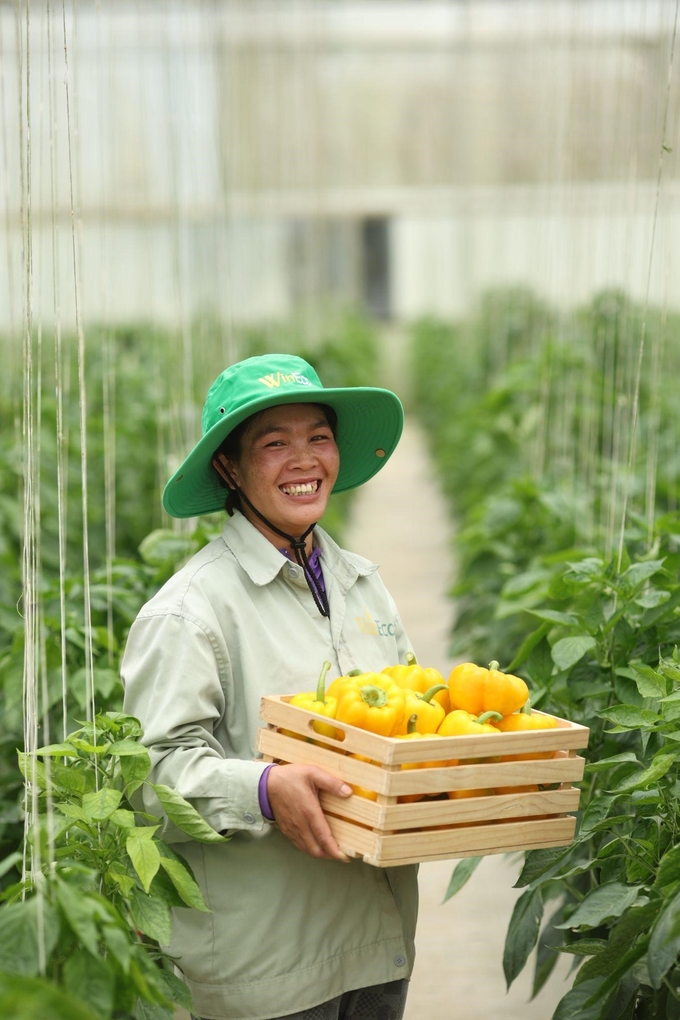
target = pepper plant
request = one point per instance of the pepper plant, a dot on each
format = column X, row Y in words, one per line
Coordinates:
column 94, row 909
column 605, row 654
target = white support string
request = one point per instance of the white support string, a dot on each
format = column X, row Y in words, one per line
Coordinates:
column 82, row 391
column 632, row 445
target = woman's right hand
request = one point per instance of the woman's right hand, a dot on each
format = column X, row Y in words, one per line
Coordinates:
column 293, row 792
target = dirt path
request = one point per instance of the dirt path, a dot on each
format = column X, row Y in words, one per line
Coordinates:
column 400, row 522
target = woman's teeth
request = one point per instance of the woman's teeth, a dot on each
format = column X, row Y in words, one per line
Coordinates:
column 300, row 490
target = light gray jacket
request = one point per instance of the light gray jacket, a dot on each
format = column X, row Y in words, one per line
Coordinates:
column 287, row 931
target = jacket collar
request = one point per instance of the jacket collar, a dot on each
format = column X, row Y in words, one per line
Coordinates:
column 262, row 561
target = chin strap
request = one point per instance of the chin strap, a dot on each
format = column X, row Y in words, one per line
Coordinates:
column 298, row 547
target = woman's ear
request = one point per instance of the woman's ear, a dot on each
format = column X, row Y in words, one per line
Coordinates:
column 224, row 469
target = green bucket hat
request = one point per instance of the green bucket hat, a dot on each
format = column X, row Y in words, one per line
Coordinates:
column 370, row 421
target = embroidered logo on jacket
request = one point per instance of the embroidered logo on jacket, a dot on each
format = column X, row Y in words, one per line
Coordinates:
column 367, row 625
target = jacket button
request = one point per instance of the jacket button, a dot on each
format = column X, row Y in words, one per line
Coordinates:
column 399, row 960
column 249, row 818
column 293, row 572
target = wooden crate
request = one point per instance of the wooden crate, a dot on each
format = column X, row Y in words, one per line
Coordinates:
column 387, row 832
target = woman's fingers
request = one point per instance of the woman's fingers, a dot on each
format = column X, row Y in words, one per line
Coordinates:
column 293, row 792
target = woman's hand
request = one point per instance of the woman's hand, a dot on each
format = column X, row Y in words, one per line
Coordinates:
column 293, row 792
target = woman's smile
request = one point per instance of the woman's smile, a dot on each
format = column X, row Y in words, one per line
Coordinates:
column 288, row 466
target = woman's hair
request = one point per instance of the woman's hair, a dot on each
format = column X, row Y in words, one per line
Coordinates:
column 231, row 448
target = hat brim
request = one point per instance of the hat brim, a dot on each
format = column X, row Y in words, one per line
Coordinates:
column 370, row 423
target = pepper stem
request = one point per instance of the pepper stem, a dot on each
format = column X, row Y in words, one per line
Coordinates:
column 413, row 724
column 321, row 686
column 493, row 664
column 411, row 659
column 526, row 707
column 374, row 696
column 488, row 715
column 354, row 672
column 428, row 695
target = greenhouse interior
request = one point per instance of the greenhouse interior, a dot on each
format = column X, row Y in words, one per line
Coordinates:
column 471, row 204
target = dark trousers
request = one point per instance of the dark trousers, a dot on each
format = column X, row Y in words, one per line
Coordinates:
column 379, row 1002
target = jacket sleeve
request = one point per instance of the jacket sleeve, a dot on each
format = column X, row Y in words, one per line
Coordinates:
column 172, row 673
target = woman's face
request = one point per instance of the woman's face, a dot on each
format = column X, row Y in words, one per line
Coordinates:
column 288, row 466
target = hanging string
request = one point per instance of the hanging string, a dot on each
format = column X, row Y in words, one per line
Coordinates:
column 82, row 392
column 632, row 447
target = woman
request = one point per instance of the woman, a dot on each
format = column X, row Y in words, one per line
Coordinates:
column 296, row 929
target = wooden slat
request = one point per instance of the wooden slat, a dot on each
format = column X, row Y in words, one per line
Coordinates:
column 448, row 812
column 276, row 711
column 404, row 848
column 483, row 775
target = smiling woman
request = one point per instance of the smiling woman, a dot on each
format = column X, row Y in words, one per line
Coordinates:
column 296, row 929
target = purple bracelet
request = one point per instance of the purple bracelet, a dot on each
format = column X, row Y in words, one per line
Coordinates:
column 265, row 806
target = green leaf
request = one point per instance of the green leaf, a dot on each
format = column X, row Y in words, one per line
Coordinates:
column 32, row 770
column 90, row 980
column 151, row 916
column 522, row 933
column 639, row 572
column 124, row 881
column 541, row 864
column 35, row 998
column 652, row 598
column 145, row 858
column 118, row 944
column 185, row 816
column 583, row 947
column 460, row 874
column 134, row 769
column 124, row 818
column 173, row 988
column 129, row 747
column 100, row 805
column 552, row 615
column 664, row 944
column 8, row 862
column 80, row 911
column 21, row 927
column 668, row 871
column 57, row 751
column 567, row 652
column 573, row 1005
column 650, row 683
column 187, row 887
column 661, row 764
column 528, row 645
column 628, row 717
column 88, row 748
column 607, row 763
column 604, row 902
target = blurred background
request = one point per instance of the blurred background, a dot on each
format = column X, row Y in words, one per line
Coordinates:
column 475, row 203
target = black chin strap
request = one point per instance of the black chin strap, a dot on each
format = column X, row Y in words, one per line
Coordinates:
column 298, row 547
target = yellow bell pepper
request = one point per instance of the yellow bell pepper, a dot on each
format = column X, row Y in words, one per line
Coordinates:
column 428, row 713
column 318, row 701
column 459, row 723
column 336, row 684
column 477, row 690
column 418, row 678
column 522, row 722
column 372, row 702
column 412, row 733
column 362, row 791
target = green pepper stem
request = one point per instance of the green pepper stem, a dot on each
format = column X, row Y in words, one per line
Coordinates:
column 526, row 707
column 374, row 696
column 321, row 686
column 493, row 664
column 488, row 715
column 428, row 695
column 411, row 659
column 413, row 724
column 354, row 672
